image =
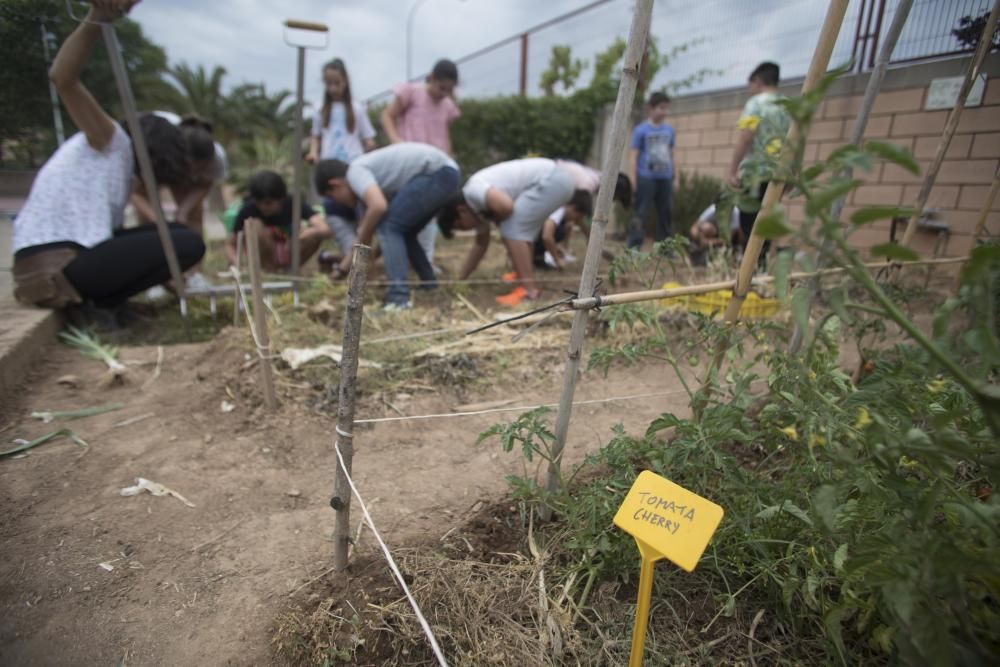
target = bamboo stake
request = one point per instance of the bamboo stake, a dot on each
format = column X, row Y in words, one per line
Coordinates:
column 251, row 230
column 588, row 303
column 857, row 136
column 985, row 45
column 984, row 213
column 341, row 501
column 637, row 39
column 817, row 68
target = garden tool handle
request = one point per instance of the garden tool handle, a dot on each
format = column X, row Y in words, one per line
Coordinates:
column 305, row 25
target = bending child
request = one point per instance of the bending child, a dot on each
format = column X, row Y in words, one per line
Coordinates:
column 519, row 196
column 269, row 204
column 401, row 187
column 69, row 245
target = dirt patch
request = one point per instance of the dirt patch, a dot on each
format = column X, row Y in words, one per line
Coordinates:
column 205, row 584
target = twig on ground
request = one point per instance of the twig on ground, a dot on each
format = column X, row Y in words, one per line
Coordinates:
column 218, row 537
column 156, row 371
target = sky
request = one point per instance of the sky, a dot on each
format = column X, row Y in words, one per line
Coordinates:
column 728, row 37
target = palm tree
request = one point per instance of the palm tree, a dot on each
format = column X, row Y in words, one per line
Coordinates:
column 200, row 91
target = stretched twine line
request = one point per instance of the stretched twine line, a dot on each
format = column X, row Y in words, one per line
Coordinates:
column 392, row 563
column 263, row 351
column 449, row 415
column 342, row 432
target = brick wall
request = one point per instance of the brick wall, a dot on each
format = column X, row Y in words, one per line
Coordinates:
column 706, row 131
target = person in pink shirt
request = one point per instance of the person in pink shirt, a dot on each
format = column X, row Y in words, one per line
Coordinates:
column 422, row 113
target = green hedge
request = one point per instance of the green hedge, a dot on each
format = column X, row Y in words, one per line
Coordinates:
column 506, row 128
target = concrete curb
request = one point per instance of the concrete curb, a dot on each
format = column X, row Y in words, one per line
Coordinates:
column 24, row 333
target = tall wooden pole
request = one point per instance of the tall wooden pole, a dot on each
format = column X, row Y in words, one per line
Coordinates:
column 250, row 233
column 857, row 136
column 985, row 45
column 817, row 69
column 638, row 36
column 341, row 501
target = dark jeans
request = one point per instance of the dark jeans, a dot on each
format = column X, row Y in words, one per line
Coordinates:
column 655, row 192
column 409, row 212
column 130, row 262
column 746, row 224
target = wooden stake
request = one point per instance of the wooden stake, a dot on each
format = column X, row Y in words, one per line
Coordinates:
column 259, row 328
column 638, row 36
column 984, row 213
column 341, row 501
column 817, row 69
column 239, row 295
column 857, row 136
column 985, row 45
column 588, row 303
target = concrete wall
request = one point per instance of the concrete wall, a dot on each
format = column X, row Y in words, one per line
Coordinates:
column 706, row 128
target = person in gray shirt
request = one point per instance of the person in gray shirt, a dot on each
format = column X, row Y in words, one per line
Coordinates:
column 401, row 188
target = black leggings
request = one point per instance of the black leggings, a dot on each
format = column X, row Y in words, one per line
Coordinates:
column 747, row 219
column 130, row 262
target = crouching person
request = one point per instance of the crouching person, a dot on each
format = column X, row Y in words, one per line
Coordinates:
column 268, row 203
column 401, row 188
column 70, row 248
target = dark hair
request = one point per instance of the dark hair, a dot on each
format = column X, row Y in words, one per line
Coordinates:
column 448, row 214
column 199, row 142
column 194, row 120
column 658, row 98
column 445, row 70
column 767, row 73
column 267, row 184
column 167, row 149
column 582, row 201
column 326, row 170
column 337, row 65
column 623, row 191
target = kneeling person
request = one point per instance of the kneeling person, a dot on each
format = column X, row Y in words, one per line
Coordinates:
column 270, row 205
column 553, row 241
column 401, row 187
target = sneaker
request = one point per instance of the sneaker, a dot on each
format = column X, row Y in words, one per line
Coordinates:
column 569, row 258
column 197, row 281
column 509, row 277
column 550, row 261
column 397, row 307
column 157, row 293
column 518, row 295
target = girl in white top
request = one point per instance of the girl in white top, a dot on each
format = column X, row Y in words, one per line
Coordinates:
column 68, row 244
column 519, row 195
column 341, row 130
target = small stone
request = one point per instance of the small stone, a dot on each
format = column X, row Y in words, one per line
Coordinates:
column 293, row 493
column 68, row 381
column 208, row 438
column 86, row 589
column 265, row 450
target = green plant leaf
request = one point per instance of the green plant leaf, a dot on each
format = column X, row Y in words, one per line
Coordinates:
column 825, row 506
column 772, row 225
column 894, row 251
column 894, row 153
column 782, row 267
column 800, row 307
column 979, row 261
column 821, row 200
column 873, row 213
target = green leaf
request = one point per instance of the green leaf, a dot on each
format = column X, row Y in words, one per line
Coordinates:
column 894, row 251
column 821, row 200
column 772, row 225
column 894, row 153
column 839, row 558
column 782, row 267
column 825, row 506
column 980, row 261
column 800, row 307
column 832, row 623
column 837, row 298
column 873, row 213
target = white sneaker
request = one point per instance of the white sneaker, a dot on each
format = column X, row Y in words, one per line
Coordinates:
column 397, row 307
column 549, row 260
column 197, row 281
column 157, row 293
column 569, row 258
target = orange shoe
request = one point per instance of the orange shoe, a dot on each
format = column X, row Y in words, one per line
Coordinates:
column 509, row 277
column 517, row 296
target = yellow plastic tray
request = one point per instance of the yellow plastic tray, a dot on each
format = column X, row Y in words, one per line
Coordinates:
column 755, row 307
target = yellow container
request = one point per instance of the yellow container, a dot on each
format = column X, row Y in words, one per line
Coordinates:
column 755, row 307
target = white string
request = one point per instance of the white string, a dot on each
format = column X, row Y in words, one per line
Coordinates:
column 263, row 351
column 392, row 563
column 342, row 432
column 447, row 415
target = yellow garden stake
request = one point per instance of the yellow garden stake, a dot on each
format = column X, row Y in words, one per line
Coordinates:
column 667, row 521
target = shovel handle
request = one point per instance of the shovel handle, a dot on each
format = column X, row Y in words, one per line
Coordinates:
column 306, row 25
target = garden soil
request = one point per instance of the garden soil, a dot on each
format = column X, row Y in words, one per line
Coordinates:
column 91, row 577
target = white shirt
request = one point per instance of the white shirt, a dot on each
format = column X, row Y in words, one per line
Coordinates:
column 512, row 178
column 336, row 142
column 79, row 194
column 584, row 177
column 709, row 215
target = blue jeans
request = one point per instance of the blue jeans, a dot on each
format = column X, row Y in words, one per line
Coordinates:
column 409, row 212
column 655, row 192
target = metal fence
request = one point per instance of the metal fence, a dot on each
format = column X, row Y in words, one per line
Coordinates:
column 713, row 44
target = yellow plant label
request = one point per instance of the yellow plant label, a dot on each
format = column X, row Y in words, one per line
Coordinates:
column 675, row 523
